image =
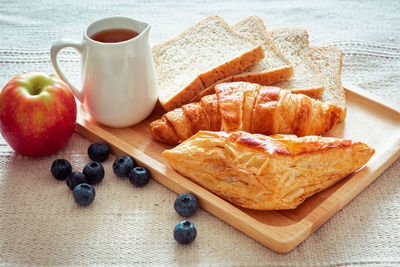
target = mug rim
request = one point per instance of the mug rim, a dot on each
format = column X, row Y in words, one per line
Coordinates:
column 87, row 37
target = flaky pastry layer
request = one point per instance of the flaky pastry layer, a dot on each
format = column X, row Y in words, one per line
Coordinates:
column 266, row 172
column 241, row 106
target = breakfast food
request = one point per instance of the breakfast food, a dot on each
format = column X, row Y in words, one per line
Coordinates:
column 274, row 67
column 186, row 204
column 316, row 70
column 84, row 194
column 98, row 151
column 247, row 107
column 198, row 58
column 306, row 78
column 37, row 114
column 139, row 176
column 94, row 172
column 185, row 232
column 60, row 169
column 123, row 165
column 81, row 183
column 75, row 178
column 266, row 172
column 328, row 60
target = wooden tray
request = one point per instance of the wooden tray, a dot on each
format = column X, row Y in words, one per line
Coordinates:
column 370, row 120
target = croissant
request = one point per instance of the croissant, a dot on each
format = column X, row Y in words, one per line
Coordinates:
column 266, row 172
column 247, row 107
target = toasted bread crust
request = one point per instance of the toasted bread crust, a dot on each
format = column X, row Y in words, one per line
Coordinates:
column 259, row 78
column 203, row 80
column 180, row 99
column 231, row 68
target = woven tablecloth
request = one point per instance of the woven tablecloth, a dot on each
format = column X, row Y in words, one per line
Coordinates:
column 40, row 224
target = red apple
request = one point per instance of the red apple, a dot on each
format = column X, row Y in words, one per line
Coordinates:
column 37, row 114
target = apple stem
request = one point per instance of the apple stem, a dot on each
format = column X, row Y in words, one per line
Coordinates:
column 37, row 90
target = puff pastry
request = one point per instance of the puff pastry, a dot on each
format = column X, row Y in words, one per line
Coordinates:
column 266, row 172
column 247, row 107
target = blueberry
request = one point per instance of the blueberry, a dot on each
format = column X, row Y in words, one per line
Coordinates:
column 94, row 172
column 60, row 169
column 186, row 205
column 84, row 194
column 98, row 151
column 185, row 232
column 123, row 165
column 139, row 176
column 75, row 178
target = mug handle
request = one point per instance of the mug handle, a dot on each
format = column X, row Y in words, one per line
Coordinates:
column 55, row 48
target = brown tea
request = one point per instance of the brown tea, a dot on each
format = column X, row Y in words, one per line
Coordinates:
column 114, row 35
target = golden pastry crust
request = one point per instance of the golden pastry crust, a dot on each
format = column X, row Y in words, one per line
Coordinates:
column 266, row 172
column 249, row 107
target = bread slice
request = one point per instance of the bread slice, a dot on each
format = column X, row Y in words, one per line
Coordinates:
column 306, row 78
column 274, row 67
column 199, row 57
column 328, row 60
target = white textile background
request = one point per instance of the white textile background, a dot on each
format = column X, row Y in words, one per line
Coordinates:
column 41, row 225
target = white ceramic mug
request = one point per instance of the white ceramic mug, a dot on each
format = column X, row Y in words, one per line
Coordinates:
column 118, row 79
